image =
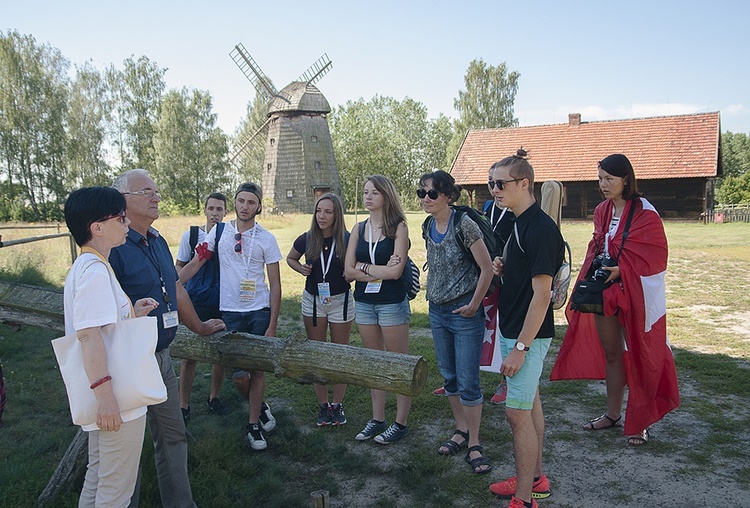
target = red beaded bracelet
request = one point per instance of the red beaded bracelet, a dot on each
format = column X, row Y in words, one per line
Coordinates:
column 100, row 382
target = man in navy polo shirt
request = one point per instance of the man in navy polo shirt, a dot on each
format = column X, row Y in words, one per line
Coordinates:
column 144, row 267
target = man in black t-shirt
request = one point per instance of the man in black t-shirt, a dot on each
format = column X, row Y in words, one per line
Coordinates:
column 534, row 253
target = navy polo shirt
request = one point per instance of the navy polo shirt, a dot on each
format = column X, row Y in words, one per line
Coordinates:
column 542, row 255
column 141, row 264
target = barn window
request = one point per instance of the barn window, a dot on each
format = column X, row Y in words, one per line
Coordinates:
column 272, row 141
column 314, row 139
column 317, row 165
column 290, row 193
column 268, row 168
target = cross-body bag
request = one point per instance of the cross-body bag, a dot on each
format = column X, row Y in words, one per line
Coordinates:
column 136, row 378
column 587, row 294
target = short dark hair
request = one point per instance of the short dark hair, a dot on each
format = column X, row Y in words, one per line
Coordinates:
column 88, row 205
column 216, row 195
column 442, row 182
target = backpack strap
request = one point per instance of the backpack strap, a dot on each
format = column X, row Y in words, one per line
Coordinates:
column 193, row 240
column 216, row 274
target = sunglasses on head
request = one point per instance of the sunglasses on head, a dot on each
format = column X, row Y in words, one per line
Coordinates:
column 500, row 184
column 432, row 193
column 238, row 245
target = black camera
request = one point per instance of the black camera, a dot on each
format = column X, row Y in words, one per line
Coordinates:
column 599, row 274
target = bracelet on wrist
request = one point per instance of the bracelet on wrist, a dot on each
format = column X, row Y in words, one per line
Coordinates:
column 100, row 382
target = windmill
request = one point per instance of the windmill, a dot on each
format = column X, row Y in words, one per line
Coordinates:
column 298, row 164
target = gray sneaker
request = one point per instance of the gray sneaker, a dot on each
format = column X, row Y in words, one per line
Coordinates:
column 266, row 419
column 324, row 415
column 337, row 414
column 391, row 434
column 372, row 428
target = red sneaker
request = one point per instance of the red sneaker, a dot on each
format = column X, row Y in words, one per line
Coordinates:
column 517, row 503
column 500, row 393
column 439, row 391
column 506, row 489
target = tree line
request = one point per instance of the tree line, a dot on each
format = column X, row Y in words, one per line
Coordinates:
column 61, row 130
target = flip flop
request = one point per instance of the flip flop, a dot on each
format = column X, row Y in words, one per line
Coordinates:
column 591, row 425
column 639, row 439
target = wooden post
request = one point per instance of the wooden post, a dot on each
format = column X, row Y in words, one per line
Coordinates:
column 73, row 250
column 319, row 499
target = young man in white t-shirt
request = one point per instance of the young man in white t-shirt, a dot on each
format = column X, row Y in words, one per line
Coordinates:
column 247, row 303
column 214, row 209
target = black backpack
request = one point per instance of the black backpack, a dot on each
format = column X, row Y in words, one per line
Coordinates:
column 203, row 287
column 410, row 275
column 490, row 240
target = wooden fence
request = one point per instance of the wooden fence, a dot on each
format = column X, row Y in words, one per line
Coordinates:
column 728, row 213
column 19, row 241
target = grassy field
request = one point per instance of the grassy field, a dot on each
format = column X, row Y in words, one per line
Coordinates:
column 702, row 443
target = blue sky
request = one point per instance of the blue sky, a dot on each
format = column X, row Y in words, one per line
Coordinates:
column 605, row 60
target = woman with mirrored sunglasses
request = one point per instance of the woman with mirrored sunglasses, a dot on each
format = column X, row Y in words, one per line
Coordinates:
column 455, row 290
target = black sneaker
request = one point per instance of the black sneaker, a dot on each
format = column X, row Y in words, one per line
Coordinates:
column 337, row 414
column 372, row 428
column 217, row 407
column 185, row 414
column 392, row 434
column 266, row 419
column 324, row 415
column 255, row 436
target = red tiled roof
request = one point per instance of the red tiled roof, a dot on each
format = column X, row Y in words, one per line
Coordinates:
column 684, row 146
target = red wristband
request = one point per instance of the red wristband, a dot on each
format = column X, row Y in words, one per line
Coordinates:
column 100, row 382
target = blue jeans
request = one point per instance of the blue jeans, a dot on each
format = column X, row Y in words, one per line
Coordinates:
column 458, row 347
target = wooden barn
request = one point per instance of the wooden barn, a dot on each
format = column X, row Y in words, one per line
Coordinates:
column 676, row 159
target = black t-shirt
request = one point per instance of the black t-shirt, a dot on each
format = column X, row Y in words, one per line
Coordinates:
column 391, row 291
column 502, row 223
column 335, row 275
column 542, row 254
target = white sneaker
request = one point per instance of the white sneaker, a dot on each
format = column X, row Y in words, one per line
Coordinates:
column 266, row 419
column 255, row 436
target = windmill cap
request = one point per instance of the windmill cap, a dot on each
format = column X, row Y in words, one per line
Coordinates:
column 250, row 187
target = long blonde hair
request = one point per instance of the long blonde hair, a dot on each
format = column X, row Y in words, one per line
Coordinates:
column 315, row 240
column 393, row 213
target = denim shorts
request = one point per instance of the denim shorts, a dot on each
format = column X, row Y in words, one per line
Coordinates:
column 333, row 312
column 255, row 322
column 522, row 386
column 458, row 348
column 383, row 314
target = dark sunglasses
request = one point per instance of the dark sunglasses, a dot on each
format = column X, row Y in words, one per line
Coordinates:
column 501, row 183
column 432, row 193
column 238, row 245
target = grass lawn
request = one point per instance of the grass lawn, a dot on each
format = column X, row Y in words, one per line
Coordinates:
column 697, row 453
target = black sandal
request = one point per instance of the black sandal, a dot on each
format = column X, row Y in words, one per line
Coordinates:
column 639, row 439
column 452, row 445
column 479, row 461
column 591, row 425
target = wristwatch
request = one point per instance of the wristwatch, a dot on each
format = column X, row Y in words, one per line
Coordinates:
column 521, row 346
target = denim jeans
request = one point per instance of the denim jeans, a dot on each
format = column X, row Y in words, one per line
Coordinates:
column 458, row 347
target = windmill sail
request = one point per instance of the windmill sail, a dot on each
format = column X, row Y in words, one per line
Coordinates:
column 252, row 71
column 317, row 70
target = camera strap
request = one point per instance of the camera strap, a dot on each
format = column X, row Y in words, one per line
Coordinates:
column 626, row 231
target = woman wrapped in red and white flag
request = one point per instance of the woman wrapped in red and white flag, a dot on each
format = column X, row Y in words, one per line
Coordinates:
column 628, row 345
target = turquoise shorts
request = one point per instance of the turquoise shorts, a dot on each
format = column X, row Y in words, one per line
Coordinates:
column 522, row 386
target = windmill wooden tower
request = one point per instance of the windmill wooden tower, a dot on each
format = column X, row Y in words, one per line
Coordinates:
column 299, row 164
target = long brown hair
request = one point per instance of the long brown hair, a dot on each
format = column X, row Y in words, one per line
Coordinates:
column 393, row 213
column 315, row 239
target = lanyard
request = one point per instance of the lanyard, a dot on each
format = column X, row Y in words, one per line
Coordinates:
column 146, row 249
column 370, row 246
column 492, row 216
column 326, row 266
column 248, row 258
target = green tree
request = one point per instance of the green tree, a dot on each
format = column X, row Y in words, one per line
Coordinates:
column 734, row 190
column 735, row 153
column 384, row 136
column 33, row 104
column 85, row 150
column 190, row 150
column 486, row 103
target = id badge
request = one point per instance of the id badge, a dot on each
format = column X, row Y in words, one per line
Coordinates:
column 374, row 286
column 324, row 291
column 247, row 290
column 170, row 319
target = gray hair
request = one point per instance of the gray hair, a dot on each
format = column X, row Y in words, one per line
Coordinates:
column 122, row 182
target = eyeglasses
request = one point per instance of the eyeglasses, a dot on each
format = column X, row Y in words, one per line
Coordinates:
column 501, row 183
column 120, row 216
column 432, row 193
column 149, row 193
column 238, row 245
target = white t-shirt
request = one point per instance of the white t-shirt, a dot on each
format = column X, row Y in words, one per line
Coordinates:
column 93, row 297
column 259, row 248
column 183, row 253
